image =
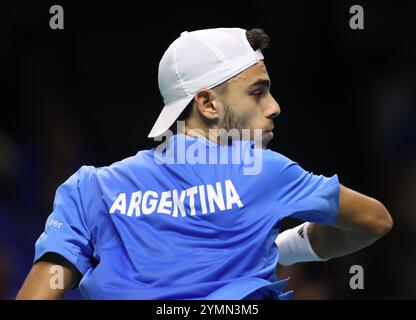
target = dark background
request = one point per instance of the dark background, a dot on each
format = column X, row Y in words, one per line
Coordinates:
column 88, row 94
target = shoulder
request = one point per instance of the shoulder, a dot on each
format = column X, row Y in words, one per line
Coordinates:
column 275, row 158
column 275, row 163
column 118, row 170
column 267, row 156
column 109, row 180
column 89, row 185
column 88, row 178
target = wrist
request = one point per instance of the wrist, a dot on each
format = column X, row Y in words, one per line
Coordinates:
column 294, row 246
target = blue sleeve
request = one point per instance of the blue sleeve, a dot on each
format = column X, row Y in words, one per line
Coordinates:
column 301, row 194
column 66, row 231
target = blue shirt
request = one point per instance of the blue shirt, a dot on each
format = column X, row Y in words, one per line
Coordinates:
column 154, row 227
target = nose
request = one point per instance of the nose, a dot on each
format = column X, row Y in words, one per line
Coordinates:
column 273, row 109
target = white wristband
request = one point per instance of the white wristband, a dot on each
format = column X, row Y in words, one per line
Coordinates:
column 294, row 246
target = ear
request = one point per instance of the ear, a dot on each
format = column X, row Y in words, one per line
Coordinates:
column 207, row 102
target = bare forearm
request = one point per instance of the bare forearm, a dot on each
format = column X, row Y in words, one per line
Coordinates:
column 360, row 222
column 329, row 242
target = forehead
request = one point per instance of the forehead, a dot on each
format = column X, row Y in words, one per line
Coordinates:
column 251, row 74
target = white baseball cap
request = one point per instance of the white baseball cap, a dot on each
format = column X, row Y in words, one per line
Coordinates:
column 196, row 60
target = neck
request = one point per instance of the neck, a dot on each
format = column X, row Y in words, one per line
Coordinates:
column 198, row 131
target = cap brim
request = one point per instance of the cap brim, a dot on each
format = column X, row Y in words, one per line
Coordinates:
column 167, row 117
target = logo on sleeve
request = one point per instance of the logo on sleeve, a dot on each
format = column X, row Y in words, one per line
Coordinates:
column 301, row 231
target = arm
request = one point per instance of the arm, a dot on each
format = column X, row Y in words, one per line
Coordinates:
column 37, row 284
column 360, row 222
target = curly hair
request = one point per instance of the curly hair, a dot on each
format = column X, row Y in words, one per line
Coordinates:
column 258, row 38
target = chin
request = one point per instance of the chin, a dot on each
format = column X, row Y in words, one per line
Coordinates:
column 264, row 143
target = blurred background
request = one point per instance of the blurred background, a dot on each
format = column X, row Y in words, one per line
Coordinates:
column 88, row 94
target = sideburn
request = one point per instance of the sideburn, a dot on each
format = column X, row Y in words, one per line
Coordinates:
column 232, row 121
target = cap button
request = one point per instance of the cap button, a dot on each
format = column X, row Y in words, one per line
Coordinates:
column 184, row 33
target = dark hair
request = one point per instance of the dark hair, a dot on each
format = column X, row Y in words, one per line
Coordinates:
column 258, row 39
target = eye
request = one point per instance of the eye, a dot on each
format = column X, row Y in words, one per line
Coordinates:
column 258, row 93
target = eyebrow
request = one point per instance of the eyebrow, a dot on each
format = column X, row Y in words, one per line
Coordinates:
column 260, row 83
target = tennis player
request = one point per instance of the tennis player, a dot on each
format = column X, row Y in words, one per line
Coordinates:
column 198, row 216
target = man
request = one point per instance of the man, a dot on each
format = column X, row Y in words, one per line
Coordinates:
column 175, row 222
